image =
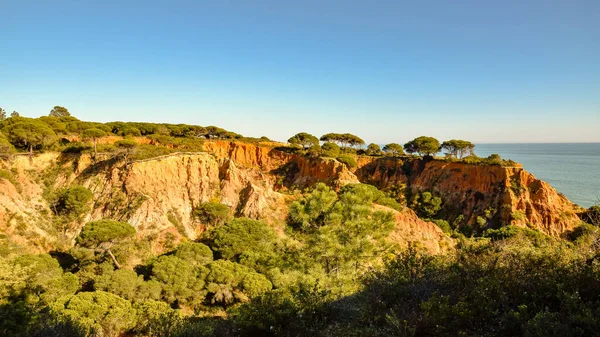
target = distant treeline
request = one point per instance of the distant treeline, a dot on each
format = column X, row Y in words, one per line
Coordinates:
column 337, row 143
column 61, row 131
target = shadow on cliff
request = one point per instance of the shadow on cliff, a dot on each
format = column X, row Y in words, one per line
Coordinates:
column 98, row 166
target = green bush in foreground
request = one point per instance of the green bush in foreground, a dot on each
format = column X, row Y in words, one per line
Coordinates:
column 98, row 311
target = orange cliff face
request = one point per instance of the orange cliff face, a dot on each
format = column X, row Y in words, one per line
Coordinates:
column 485, row 195
column 158, row 195
column 292, row 170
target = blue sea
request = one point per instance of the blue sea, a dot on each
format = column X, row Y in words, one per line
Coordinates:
column 571, row 168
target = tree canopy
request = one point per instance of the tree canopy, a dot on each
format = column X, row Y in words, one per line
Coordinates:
column 425, row 146
column 458, row 148
column 343, row 139
column 373, row 150
column 241, row 235
column 330, row 150
column 198, row 254
column 393, row 149
column 128, row 146
column 343, row 229
column 73, row 201
column 30, row 135
column 229, row 282
column 103, row 234
column 180, row 280
column 94, row 134
column 128, row 285
column 101, row 311
column 304, row 140
column 213, row 213
column 96, row 233
column 59, row 111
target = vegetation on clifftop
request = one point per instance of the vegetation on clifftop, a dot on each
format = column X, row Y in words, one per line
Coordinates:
column 60, row 131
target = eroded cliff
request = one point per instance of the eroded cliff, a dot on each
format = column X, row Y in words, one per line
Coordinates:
column 480, row 196
column 158, row 195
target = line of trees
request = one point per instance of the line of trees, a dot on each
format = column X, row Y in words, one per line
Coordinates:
column 48, row 132
column 423, row 145
column 31, row 134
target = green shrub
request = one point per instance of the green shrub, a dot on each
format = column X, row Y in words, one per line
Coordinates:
column 582, row 231
column 494, row 159
column 145, row 151
column 308, row 213
column 516, row 186
column 76, row 147
column 197, row 254
column 6, row 148
column 187, row 144
column 73, row 201
column 233, row 239
column 426, row 204
column 472, row 159
column 518, row 215
column 213, row 213
column 348, row 160
column 536, row 237
column 443, row 225
column 4, row 174
column 330, row 150
column 100, row 311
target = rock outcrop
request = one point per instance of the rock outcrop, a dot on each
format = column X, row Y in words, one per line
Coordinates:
column 158, row 195
column 482, row 195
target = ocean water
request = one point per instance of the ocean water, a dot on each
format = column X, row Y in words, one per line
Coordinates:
column 571, row 168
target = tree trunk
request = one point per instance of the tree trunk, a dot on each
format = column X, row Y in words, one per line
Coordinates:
column 114, row 259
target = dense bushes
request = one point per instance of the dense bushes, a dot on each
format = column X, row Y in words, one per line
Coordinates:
column 72, row 201
column 507, row 288
column 330, row 150
column 242, row 237
column 348, row 160
column 46, row 132
column 426, row 204
column 99, row 311
column 329, row 271
column 486, row 290
column 493, row 159
column 343, row 231
column 213, row 213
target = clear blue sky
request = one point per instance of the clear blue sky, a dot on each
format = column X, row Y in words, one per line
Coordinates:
column 487, row 71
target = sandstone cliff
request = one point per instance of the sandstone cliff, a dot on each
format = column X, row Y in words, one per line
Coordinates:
column 158, row 195
column 490, row 195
